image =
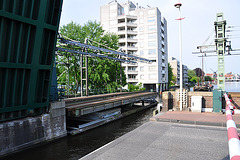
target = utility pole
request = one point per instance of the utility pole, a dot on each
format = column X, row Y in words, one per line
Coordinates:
column 220, row 41
column 178, row 5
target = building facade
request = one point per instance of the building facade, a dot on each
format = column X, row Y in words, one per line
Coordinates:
column 175, row 65
column 142, row 32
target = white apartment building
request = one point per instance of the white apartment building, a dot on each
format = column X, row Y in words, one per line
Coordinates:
column 142, row 32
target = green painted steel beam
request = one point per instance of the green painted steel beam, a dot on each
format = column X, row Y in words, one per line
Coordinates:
column 28, row 32
column 27, row 20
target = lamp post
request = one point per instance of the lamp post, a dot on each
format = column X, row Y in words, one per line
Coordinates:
column 178, row 5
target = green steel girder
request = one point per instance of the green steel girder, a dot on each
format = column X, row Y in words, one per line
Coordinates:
column 28, row 32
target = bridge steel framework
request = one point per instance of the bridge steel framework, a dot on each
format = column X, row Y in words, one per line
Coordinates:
column 28, row 32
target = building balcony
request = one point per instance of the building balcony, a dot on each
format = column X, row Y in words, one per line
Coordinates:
column 132, row 40
column 122, row 24
column 163, row 57
column 162, row 28
column 122, row 40
column 132, row 80
column 121, row 32
column 162, row 42
column 132, row 72
column 163, row 50
column 129, row 24
column 131, row 17
column 132, row 32
column 132, row 48
column 162, row 35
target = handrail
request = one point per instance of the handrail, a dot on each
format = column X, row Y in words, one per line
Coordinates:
column 233, row 138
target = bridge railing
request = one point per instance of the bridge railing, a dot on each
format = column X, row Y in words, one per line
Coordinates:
column 233, row 138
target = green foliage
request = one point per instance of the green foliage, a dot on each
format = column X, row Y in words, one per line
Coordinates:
column 171, row 77
column 195, row 79
column 192, row 77
column 102, row 73
column 191, row 74
column 133, row 88
column 207, row 78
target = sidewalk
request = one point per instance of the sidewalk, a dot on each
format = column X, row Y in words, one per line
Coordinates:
column 167, row 141
column 204, row 118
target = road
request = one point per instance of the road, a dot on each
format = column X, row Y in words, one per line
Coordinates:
column 167, row 141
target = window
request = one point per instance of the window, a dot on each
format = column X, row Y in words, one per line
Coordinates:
column 141, row 76
column 152, row 44
column 152, row 52
column 142, row 68
column 152, row 36
column 151, row 19
column 141, row 53
column 152, row 28
column 152, row 68
column 152, row 76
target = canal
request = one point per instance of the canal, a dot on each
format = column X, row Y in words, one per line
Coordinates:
column 75, row 147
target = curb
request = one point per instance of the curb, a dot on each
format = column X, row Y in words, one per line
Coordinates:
column 190, row 122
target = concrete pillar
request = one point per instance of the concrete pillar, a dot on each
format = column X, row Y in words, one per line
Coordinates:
column 157, row 88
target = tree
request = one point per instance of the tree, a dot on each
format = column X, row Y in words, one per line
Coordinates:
column 171, row 77
column 192, row 77
column 191, row 74
column 199, row 72
column 207, row 78
column 102, row 73
column 133, row 88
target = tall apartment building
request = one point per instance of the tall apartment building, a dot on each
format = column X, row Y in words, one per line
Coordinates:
column 142, row 32
column 175, row 65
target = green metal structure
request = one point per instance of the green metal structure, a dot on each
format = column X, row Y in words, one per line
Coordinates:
column 217, row 100
column 220, row 41
column 28, row 32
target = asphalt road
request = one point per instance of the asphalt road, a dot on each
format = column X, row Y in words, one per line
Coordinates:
column 167, row 141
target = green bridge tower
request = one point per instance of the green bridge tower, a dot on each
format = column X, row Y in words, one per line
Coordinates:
column 220, row 41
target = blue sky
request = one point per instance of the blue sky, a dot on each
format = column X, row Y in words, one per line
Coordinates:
column 196, row 27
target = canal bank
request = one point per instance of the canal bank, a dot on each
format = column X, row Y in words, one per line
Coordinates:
column 75, row 147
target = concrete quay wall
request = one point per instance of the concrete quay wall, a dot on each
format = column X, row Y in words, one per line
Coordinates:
column 170, row 101
column 24, row 133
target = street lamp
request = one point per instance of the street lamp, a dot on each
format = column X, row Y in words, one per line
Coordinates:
column 178, row 5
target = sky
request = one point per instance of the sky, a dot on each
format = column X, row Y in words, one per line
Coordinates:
column 196, row 27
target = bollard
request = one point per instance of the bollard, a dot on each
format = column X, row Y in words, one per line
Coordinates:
column 233, row 138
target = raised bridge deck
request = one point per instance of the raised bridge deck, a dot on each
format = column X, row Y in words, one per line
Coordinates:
column 79, row 106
